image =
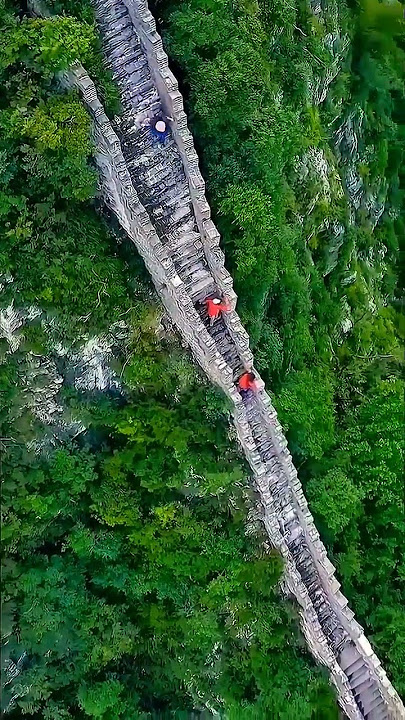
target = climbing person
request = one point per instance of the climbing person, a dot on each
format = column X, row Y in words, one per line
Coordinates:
column 215, row 307
column 160, row 128
column 247, row 383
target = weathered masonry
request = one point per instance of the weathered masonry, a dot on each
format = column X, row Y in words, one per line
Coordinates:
column 157, row 193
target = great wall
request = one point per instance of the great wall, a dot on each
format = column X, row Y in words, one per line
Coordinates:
column 157, row 194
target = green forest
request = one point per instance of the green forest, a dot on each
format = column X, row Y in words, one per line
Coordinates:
column 137, row 580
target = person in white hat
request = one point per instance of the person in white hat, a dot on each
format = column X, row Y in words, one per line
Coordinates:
column 160, row 128
column 215, row 307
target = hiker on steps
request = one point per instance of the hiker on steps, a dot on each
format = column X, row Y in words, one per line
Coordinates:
column 215, row 307
column 247, row 383
column 160, row 128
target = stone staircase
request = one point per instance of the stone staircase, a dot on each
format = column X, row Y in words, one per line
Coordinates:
column 156, row 169
column 157, row 194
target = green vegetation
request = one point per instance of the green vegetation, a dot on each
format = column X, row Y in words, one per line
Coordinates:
column 323, row 309
column 135, row 588
column 130, row 581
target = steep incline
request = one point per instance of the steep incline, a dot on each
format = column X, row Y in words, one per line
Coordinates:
column 156, row 169
column 157, row 193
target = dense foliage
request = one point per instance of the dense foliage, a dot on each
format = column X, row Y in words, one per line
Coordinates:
column 132, row 583
column 132, row 588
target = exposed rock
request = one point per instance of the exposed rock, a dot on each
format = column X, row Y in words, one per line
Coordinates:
column 332, row 248
column 349, row 277
column 5, row 279
column 316, row 6
column 318, row 88
column 347, row 134
column 89, row 368
column 11, row 320
column 313, row 164
column 354, row 186
column 347, row 321
column 375, row 208
column 41, row 385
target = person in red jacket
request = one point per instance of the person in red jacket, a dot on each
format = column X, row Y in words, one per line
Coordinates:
column 215, row 307
column 246, row 383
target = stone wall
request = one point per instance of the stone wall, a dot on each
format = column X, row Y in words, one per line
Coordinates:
column 120, row 195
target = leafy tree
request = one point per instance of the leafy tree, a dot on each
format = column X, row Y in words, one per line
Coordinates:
column 335, row 499
column 306, row 410
column 46, row 45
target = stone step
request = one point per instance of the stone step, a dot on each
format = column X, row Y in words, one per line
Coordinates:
column 200, row 289
column 187, row 262
column 118, row 36
column 129, row 46
column 139, row 81
column 185, row 239
column 140, row 89
column 360, row 676
column 111, row 14
column 117, row 59
column 193, row 270
column 185, row 254
column 330, row 625
column 117, row 24
column 180, row 213
column 379, row 712
column 225, row 347
column 117, row 39
column 319, row 604
column 128, row 73
column 146, row 104
column 188, row 226
column 350, row 662
column 265, row 453
column 196, row 276
column 119, row 28
column 361, row 689
column 372, row 701
column 158, row 174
